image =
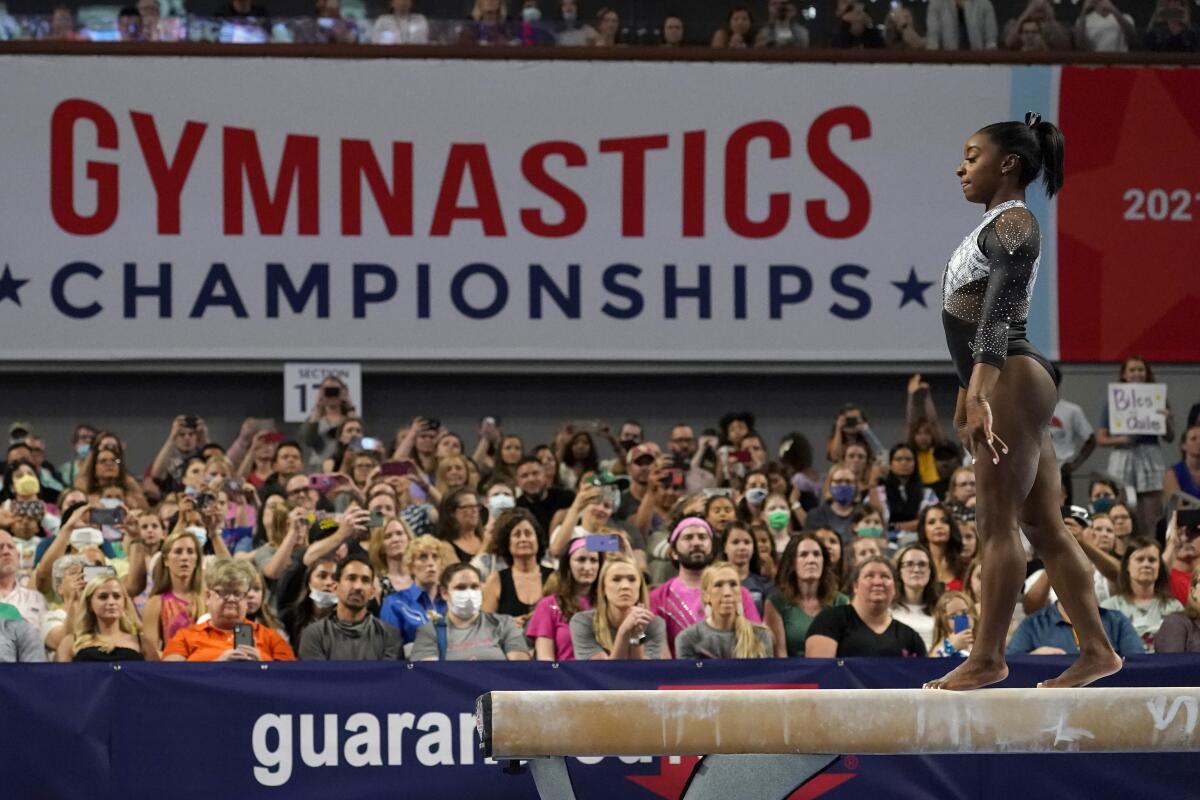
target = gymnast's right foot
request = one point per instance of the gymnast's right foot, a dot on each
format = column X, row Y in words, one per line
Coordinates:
column 974, row 673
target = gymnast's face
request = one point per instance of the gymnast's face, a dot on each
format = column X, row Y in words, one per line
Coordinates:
column 983, row 168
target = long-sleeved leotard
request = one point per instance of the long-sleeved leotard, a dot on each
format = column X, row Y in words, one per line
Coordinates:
column 987, row 289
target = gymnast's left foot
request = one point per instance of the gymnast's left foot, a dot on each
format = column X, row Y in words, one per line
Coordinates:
column 974, row 673
column 1088, row 668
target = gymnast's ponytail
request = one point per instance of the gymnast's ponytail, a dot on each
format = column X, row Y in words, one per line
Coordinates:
column 1051, row 143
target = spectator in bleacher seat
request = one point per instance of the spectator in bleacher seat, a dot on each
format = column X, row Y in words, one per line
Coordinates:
column 151, row 14
column 105, row 626
column 387, row 550
column 855, row 29
column 724, row 632
column 738, row 30
column 315, row 599
column 1170, row 28
column 1136, row 461
column 227, row 585
column 401, row 26
column 672, row 32
column 187, row 435
column 954, row 626
column 409, row 609
column 84, row 434
column 900, row 30
column 961, row 493
column 860, row 549
column 1106, row 537
column 902, row 486
column 105, row 469
column 129, row 24
column 739, row 550
column 466, row 632
column 529, row 30
column 460, row 523
column 351, row 633
column 621, row 627
column 177, row 594
column 241, row 9
column 69, row 583
column 29, row 602
column 1102, row 28
column 1180, row 632
column 782, row 28
column 1032, row 39
column 849, row 426
column 938, row 531
column 1048, row 632
column 1070, row 432
column 63, row 29
column 678, row 601
column 537, row 494
column 1123, row 520
column 590, row 513
column 1143, row 594
column 332, row 404
column 508, row 455
column 973, row 585
column 1183, row 478
column 605, row 30
column 836, row 511
column 258, row 609
column 865, row 626
column 1055, row 35
column 918, row 592
column 960, row 25
column 805, row 583
column 1181, row 553
column 20, row 642
column 570, row 590
column 570, row 31
column 516, row 588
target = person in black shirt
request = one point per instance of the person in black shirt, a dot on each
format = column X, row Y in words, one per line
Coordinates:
column 864, row 627
column 1006, row 399
column 539, row 497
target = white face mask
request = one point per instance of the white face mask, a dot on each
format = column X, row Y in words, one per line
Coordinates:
column 327, row 599
column 756, row 496
column 201, row 534
column 86, row 537
column 466, row 602
column 500, row 503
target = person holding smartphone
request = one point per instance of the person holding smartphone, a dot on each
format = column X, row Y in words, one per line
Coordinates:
column 1182, row 551
column 331, row 407
column 1170, row 28
column 227, row 635
column 953, row 626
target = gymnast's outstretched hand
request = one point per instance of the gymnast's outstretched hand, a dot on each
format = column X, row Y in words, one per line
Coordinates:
column 979, row 431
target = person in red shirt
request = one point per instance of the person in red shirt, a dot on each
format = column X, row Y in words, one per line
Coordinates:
column 1183, row 547
column 212, row 639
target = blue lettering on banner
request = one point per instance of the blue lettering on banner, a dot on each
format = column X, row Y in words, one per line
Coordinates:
column 780, row 298
column 362, row 297
column 636, row 301
column 58, row 290
column 838, row 281
column 540, row 282
column 458, row 294
column 218, row 290
column 739, row 291
column 161, row 290
column 422, row 291
column 316, row 281
column 358, row 730
column 673, row 292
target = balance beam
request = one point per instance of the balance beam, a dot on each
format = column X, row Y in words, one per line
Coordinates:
column 516, row 725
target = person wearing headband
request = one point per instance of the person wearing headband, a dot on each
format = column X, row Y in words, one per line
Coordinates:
column 678, row 601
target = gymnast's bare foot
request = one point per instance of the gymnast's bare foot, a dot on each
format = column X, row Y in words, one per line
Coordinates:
column 1088, row 668
column 974, row 673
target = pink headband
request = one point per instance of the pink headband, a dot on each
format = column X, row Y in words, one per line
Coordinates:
column 575, row 545
column 688, row 522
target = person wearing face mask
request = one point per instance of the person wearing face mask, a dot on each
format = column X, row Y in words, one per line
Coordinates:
column 315, row 598
column 571, row 32
column 570, row 590
column 467, row 632
column 228, row 584
column 498, row 498
column 778, row 516
column 351, row 633
column 837, row 510
column 530, row 31
column 409, row 609
column 24, row 490
column 81, row 445
column 515, row 589
column 678, row 601
column 754, row 494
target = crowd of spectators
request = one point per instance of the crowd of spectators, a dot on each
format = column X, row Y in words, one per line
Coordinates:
column 342, row 542
column 1034, row 26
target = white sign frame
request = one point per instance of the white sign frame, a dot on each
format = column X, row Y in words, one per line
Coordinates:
column 1134, row 409
column 301, row 380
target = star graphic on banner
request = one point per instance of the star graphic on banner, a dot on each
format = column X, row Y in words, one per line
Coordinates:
column 913, row 289
column 9, row 286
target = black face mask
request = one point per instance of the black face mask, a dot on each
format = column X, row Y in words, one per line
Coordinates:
column 629, row 444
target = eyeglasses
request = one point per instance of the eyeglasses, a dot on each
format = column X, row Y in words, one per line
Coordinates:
column 841, row 482
column 111, row 462
column 916, row 566
column 298, row 491
column 229, row 594
column 472, row 507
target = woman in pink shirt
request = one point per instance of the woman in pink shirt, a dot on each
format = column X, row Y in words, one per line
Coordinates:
column 572, row 589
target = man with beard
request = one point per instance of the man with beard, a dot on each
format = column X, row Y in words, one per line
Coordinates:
column 350, row 633
column 678, row 600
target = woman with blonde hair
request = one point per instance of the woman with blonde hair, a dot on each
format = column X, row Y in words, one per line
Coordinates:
column 453, row 472
column 953, row 625
column 388, row 545
column 177, row 597
column 724, row 632
column 621, row 626
column 105, row 626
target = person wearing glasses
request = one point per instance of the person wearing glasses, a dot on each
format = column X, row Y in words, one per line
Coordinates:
column 460, row 523
column 919, row 591
column 228, row 584
column 837, row 510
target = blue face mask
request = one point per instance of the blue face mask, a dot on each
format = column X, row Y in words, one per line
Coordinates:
column 82, row 450
column 1102, row 505
column 843, row 494
column 755, row 497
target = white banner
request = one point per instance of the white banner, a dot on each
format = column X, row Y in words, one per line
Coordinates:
column 431, row 210
column 1137, row 409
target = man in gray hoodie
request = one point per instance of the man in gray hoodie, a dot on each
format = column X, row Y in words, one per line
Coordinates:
column 351, row 633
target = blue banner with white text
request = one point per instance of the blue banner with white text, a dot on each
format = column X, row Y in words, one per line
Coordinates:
column 365, row 729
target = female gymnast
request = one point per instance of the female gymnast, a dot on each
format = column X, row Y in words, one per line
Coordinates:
column 1005, row 400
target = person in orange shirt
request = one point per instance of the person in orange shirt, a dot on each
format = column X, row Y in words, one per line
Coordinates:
column 228, row 583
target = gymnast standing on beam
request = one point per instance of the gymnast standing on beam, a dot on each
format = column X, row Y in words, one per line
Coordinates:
column 1005, row 400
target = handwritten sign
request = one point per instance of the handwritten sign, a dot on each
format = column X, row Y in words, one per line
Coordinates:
column 1136, row 409
column 302, row 382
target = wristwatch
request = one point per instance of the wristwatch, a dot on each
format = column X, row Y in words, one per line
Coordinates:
column 634, row 641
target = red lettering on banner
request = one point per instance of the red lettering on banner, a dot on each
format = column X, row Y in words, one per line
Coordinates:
column 849, row 181
column 693, row 183
column 168, row 179
column 464, row 158
column 633, row 151
column 533, row 167
column 298, row 166
column 779, row 144
column 395, row 204
column 62, row 168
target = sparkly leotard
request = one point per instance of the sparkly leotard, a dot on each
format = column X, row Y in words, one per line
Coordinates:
column 987, row 289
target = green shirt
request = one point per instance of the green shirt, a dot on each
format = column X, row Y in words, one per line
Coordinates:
column 796, row 621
